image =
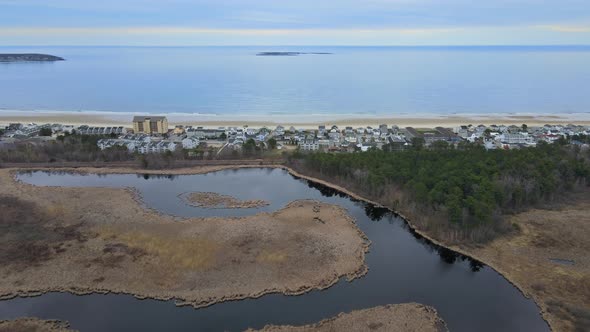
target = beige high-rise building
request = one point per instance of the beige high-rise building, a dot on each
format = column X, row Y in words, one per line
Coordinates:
column 150, row 124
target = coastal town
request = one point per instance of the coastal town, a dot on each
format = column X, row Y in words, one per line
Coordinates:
column 152, row 134
column 295, row 166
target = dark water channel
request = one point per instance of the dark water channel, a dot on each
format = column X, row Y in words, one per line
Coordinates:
column 403, row 267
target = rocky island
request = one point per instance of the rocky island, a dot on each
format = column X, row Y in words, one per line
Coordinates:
column 28, row 57
column 289, row 53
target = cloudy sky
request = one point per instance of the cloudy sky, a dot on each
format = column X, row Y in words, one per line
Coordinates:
column 294, row 22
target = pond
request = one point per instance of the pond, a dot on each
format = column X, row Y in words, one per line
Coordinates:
column 403, row 267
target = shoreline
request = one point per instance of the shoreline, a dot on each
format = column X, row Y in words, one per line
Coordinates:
column 391, row 317
column 105, row 119
column 199, row 170
column 479, row 254
column 210, row 169
column 414, row 228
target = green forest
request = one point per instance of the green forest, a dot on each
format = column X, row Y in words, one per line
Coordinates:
column 467, row 189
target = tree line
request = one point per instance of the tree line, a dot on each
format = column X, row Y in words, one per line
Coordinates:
column 463, row 192
column 81, row 148
column 84, row 148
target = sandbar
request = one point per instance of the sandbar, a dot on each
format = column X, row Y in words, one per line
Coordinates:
column 307, row 122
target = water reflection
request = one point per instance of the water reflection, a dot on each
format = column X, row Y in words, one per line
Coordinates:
column 324, row 190
column 376, row 213
column 147, row 176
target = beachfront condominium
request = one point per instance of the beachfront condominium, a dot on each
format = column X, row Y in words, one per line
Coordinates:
column 150, row 124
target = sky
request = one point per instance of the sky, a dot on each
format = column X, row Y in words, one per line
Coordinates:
column 294, row 22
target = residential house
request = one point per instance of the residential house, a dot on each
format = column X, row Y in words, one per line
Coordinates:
column 513, row 138
column 309, row 145
column 179, row 130
column 190, row 143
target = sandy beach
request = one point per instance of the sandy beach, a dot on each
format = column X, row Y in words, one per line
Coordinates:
column 307, row 122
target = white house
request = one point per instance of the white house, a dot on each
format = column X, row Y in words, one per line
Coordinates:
column 309, row 145
column 104, row 143
column 143, row 148
column 261, row 137
column 364, row 148
column 490, row 145
column 167, row 146
column 517, row 138
column 190, row 143
column 474, row 137
column 325, row 144
column 131, row 146
column 334, row 134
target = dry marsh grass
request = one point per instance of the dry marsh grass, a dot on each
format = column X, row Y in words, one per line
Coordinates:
column 407, row 317
column 34, row 325
column 267, row 256
column 108, row 242
column 31, row 234
column 212, row 200
column 195, row 253
column 533, row 258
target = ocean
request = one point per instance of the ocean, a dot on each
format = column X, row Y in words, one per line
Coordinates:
column 350, row 82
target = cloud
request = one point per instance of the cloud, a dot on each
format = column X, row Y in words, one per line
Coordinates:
column 102, row 5
column 343, row 22
column 566, row 28
column 170, row 30
column 293, row 13
column 265, row 17
column 175, row 36
column 203, row 36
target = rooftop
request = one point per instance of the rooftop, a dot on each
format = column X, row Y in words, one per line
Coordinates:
column 144, row 118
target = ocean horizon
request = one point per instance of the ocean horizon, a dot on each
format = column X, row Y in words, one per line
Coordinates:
column 351, row 82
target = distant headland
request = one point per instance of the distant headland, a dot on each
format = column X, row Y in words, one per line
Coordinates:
column 28, row 57
column 288, row 53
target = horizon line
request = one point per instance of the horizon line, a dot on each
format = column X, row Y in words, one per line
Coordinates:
column 303, row 45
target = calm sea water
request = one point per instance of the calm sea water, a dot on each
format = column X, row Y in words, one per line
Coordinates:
column 353, row 80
